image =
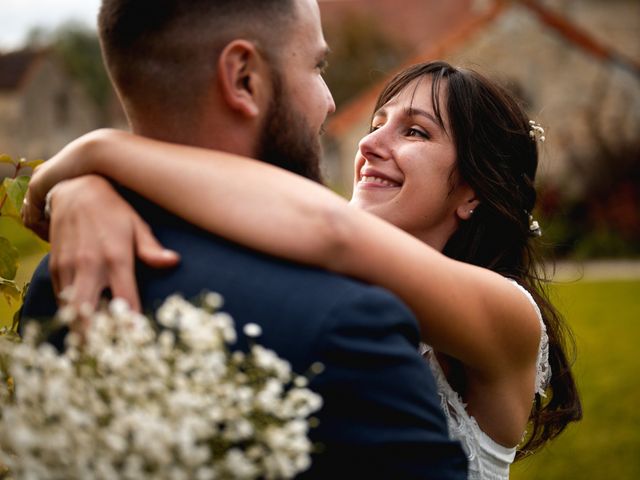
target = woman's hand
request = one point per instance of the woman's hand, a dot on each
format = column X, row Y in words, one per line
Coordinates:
column 95, row 236
column 74, row 160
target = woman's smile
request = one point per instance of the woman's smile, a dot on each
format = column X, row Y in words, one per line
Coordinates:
column 371, row 178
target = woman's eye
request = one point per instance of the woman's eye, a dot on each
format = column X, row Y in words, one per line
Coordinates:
column 416, row 132
column 373, row 128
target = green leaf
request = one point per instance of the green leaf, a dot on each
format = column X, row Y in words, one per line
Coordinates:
column 30, row 163
column 16, row 315
column 11, row 293
column 8, row 260
column 4, row 158
column 24, row 240
column 15, row 189
column 8, row 335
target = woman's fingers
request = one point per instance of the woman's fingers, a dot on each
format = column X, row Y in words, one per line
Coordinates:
column 92, row 241
column 95, row 236
column 148, row 248
column 120, row 272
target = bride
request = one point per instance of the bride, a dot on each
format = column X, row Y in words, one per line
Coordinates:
column 440, row 215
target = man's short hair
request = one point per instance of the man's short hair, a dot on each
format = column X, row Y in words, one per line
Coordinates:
column 161, row 54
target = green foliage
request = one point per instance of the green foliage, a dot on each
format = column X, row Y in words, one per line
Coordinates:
column 571, row 236
column 601, row 219
column 79, row 48
column 604, row 317
column 605, row 243
column 20, row 248
column 8, row 260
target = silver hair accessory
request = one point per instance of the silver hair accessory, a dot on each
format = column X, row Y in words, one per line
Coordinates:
column 534, row 227
column 536, row 132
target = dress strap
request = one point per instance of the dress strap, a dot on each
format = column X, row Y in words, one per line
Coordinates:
column 543, row 369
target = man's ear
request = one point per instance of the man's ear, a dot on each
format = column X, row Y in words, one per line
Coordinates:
column 468, row 204
column 242, row 75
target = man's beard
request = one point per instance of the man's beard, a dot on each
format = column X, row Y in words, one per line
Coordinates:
column 287, row 141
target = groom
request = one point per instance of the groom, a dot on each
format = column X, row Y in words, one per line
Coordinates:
column 244, row 76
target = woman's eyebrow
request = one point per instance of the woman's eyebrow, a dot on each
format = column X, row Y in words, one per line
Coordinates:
column 381, row 112
column 412, row 112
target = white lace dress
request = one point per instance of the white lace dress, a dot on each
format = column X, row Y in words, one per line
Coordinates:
column 488, row 460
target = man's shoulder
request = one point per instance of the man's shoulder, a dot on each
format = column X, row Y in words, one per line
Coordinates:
column 207, row 259
column 255, row 285
column 285, row 297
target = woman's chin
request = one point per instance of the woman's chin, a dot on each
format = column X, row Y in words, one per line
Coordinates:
column 374, row 207
column 359, row 202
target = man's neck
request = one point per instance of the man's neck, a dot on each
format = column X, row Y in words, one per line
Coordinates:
column 227, row 138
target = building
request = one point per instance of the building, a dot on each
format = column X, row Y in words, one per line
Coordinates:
column 576, row 65
column 42, row 107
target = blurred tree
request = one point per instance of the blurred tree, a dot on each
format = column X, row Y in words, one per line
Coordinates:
column 361, row 54
column 603, row 220
column 79, row 49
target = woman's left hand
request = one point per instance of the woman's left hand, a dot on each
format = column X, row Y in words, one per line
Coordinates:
column 73, row 160
column 95, row 238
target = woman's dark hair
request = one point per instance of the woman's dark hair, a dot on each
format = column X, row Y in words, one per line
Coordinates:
column 498, row 159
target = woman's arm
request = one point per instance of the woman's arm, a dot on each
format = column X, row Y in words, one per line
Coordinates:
column 218, row 191
column 464, row 311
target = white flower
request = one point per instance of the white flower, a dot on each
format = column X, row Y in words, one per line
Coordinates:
column 252, row 330
column 213, row 300
column 119, row 307
column 128, row 402
column 301, row 382
column 239, row 465
column 268, row 360
column 67, row 314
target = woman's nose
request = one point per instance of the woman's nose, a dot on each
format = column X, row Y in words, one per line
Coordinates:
column 375, row 145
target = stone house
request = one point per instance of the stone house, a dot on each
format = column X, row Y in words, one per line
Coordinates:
column 575, row 64
column 411, row 22
column 42, row 107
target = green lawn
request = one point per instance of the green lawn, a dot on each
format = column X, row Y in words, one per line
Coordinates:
column 605, row 317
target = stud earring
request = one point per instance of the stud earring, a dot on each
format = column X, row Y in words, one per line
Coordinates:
column 471, row 212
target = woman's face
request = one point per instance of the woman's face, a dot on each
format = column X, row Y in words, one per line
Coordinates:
column 403, row 168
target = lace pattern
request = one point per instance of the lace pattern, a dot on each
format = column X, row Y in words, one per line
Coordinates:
column 543, row 370
column 487, row 459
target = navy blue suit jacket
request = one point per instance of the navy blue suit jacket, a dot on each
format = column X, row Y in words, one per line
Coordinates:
column 381, row 416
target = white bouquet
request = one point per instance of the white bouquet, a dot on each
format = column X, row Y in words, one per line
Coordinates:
column 129, row 400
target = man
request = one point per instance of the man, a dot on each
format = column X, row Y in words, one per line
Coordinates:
column 239, row 75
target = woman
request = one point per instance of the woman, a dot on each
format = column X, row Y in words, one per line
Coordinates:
column 448, row 172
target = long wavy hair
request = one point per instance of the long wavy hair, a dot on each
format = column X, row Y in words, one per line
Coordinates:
column 498, row 158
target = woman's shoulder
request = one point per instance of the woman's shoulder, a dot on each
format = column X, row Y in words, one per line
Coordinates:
column 530, row 298
column 543, row 371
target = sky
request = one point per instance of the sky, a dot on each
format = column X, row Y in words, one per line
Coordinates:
column 17, row 17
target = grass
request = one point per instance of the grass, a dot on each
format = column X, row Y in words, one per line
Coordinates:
column 605, row 317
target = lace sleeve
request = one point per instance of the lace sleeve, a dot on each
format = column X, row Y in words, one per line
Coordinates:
column 543, row 369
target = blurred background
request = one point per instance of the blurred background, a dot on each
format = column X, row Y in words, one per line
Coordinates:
column 575, row 65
